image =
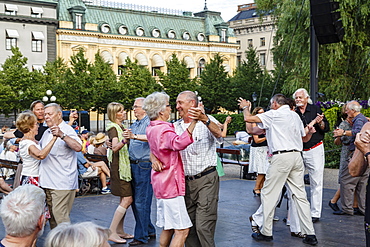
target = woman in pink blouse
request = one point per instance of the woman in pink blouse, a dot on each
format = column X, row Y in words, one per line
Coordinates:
column 169, row 183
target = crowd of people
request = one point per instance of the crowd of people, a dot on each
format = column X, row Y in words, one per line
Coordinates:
column 176, row 162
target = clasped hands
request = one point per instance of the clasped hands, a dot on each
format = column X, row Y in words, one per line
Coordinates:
column 244, row 103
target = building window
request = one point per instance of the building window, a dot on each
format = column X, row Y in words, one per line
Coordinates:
column 78, row 21
column 171, row 34
column 10, row 42
column 121, row 68
column 123, row 30
column 263, row 41
column 186, row 36
column 238, row 60
column 11, row 38
column 223, row 35
column 37, row 38
column 201, row 66
column 238, row 42
column 250, row 42
column 36, row 12
column 154, row 70
column 36, row 45
column 105, row 28
column 263, row 59
column 11, row 9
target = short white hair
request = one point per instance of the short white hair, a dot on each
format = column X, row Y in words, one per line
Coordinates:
column 354, row 105
column 21, row 210
column 305, row 93
column 155, row 103
column 57, row 108
column 84, row 234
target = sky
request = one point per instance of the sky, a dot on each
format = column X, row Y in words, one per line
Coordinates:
column 228, row 8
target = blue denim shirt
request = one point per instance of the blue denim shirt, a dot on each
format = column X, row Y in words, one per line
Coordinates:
column 139, row 150
column 358, row 122
column 81, row 161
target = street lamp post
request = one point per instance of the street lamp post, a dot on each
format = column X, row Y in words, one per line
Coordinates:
column 254, row 98
column 49, row 94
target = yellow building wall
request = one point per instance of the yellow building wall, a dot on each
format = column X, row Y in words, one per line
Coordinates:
column 69, row 42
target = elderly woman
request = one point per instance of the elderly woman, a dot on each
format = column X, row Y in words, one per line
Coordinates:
column 29, row 149
column 120, row 171
column 258, row 156
column 84, row 234
column 169, row 181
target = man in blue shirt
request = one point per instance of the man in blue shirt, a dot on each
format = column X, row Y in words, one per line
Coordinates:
column 141, row 169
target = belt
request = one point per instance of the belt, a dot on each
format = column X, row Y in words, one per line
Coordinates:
column 308, row 149
column 203, row 173
column 285, row 151
column 138, row 161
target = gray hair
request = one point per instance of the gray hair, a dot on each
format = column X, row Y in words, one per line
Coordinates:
column 56, row 107
column 84, row 234
column 140, row 98
column 354, row 105
column 21, row 210
column 190, row 95
column 155, row 103
column 305, row 93
column 280, row 99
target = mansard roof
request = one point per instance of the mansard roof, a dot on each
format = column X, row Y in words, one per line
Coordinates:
column 247, row 14
column 206, row 22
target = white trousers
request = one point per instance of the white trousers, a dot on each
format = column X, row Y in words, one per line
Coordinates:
column 314, row 161
column 285, row 168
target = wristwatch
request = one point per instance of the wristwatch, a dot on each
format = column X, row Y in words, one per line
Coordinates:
column 135, row 136
column 366, row 155
column 64, row 135
column 208, row 122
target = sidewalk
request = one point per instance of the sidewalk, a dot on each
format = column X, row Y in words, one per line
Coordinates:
column 236, row 204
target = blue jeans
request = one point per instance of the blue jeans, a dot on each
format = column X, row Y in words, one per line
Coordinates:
column 142, row 200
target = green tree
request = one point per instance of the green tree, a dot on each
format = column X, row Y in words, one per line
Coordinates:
column 249, row 78
column 344, row 69
column 176, row 79
column 77, row 89
column 18, row 89
column 136, row 81
column 105, row 84
column 214, row 86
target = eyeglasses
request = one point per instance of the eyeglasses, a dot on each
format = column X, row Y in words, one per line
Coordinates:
column 135, row 107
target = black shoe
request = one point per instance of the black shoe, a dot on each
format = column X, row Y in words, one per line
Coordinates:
column 152, row 236
column 255, row 227
column 315, row 219
column 334, row 206
column 340, row 212
column 298, row 234
column 356, row 211
column 135, row 242
column 310, row 239
column 261, row 237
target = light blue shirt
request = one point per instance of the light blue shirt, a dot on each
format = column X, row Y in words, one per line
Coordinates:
column 139, row 150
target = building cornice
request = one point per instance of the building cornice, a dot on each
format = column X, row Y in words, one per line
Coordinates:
column 24, row 19
column 96, row 37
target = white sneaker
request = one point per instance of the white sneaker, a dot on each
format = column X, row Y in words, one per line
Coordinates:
column 105, row 191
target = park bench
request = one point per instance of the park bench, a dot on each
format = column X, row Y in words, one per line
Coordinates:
column 236, row 153
column 96, row 158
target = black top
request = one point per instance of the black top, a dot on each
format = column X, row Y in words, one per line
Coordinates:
column 309, row 115
column 261, row 144
column 41, row 131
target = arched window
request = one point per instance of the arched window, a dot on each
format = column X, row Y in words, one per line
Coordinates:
column 201, row 66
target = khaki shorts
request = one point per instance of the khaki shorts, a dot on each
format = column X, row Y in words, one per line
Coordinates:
column 90, row 172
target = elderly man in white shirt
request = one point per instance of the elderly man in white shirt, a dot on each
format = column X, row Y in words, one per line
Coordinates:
column 202, row 181
column 284, row 133
column 58, row 171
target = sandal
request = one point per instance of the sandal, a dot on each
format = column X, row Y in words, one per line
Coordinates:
column 255, row 227
column 125, row 235
column 118, row 240
column 297, row 235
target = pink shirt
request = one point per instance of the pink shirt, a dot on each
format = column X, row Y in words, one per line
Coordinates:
column 165, row 144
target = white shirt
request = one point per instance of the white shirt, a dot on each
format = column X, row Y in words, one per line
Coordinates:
column 59, row 169
column 284, row 129
column 30, row 164
column 202, row 152
column 242, row 136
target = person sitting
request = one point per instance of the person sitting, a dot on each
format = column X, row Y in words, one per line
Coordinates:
column 89, row 169
column 99, row 144
column 23, row 216
column 9, row 153
column 84, row 234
